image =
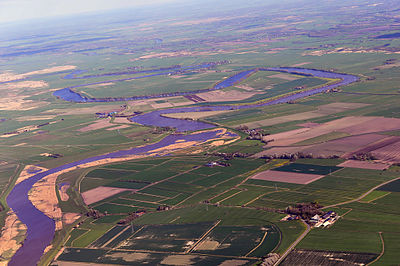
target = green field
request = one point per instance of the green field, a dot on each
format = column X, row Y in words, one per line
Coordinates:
column 176, row 210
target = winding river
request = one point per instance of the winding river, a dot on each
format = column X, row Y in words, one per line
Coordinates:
column 41, row 228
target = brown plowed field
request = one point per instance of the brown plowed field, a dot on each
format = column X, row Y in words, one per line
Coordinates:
column 334, row 147
column 388, row 141
column 100, row 193
column 364, row 165
column 389, row 153
column 373, row 124
column 346, row 124
column 287, row 177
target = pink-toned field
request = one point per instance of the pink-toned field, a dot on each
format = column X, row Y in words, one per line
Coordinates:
column 389, row 153
column 384, row 145
column 100, row 193
column 344, row 145
column 341, row 147
column 373, row 124
column 364, row 165
column 119, row 127
column 287, row 177
column 223, row 96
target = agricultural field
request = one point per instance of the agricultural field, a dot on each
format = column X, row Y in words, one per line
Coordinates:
column 185, row 133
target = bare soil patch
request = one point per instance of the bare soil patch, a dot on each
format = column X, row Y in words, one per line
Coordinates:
column 17, row 102
column 287, row 177
column 223, row 96
column 63, row 192
column 12, row 235
column 233, row 262
column 26, row 84
column 301, row 64
column 43, row 196
column 29, row 171
column 35, row 118
column 99, row 124
column 284, row 76
column 8, row 76
column 119, row 127
column 161, row 105
column 129, row 257
column 121, row 120
column 208, row 244
column 100, row 193
column 179, row 260
column 70, row 217
column 51, row 70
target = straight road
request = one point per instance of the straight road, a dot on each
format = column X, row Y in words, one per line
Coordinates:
column 293, row 244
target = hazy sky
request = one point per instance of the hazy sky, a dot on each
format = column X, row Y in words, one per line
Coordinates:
column 17, row 10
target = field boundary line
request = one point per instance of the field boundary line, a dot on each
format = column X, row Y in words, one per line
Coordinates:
column 346, row 212
column 221, row 193
column 202, row 237
column 234, row 194
column 256, row 198
column 262, row 241
column 383, row 249
column 117, row 235
column 384, row 195
column 173, row 220
column 87, row 232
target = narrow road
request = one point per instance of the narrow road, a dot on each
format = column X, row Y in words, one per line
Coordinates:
column 293, row 244
column 382, row 252
column 362, row 196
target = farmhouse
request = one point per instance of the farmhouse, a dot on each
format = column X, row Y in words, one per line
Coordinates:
column 325, row 220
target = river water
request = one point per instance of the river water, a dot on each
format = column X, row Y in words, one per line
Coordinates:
column 41, row 228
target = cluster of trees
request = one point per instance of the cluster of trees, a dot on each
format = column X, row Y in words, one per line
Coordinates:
column 298, row 155
column 305, row 210
column 229, row 155
column 363, row 157
column 159, row 130
column 253, row 134
column 132, row 217
column 95, row 214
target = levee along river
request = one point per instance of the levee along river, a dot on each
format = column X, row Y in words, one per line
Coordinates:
column 40, row 228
